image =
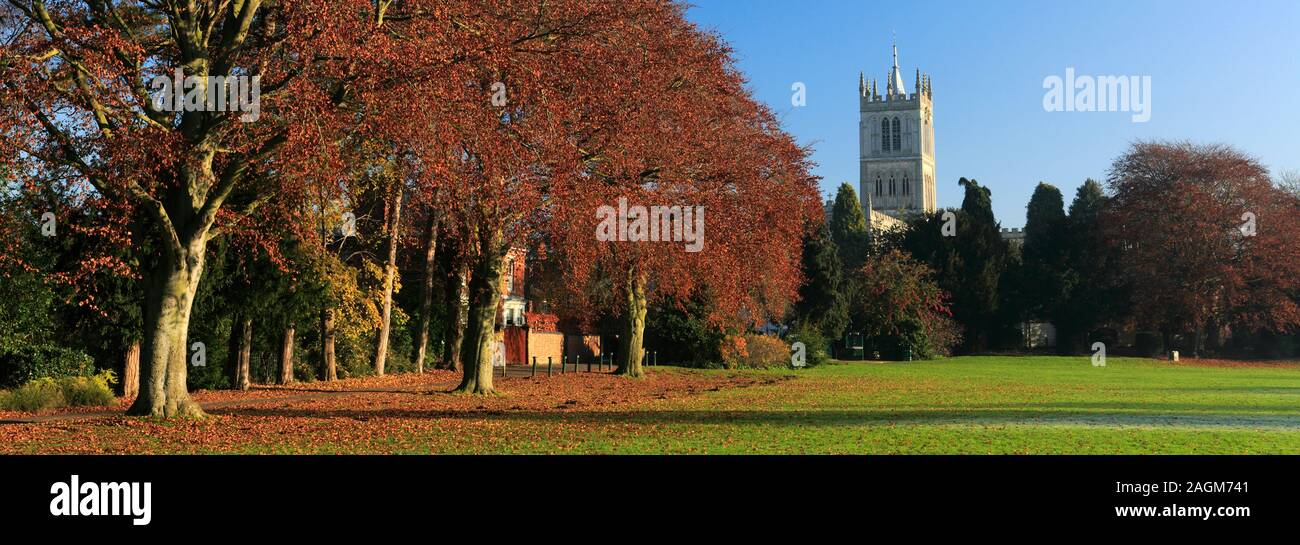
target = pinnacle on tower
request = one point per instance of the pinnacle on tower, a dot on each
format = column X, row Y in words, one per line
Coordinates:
column 896, row 77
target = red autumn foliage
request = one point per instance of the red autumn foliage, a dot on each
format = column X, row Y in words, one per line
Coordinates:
column 1207, row 240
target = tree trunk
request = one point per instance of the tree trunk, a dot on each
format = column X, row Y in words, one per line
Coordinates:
column 631, row 347
column 243, row 364
column 458, row 314
column 169, row 295
column 327, row 344
column 390, row 273
column 131, row 371
column 480, row 331
column 426, row 300
column 286, row 356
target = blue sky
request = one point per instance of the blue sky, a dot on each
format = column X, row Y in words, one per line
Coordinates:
column 1224, row 72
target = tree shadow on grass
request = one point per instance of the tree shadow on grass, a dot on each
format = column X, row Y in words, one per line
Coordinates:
column 1064, row 414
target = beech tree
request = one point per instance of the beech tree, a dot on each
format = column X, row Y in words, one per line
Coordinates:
column 1207, row 240
column 684, row 139
column 81, row 98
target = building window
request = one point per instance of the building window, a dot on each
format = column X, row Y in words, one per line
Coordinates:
column 884, row 134
column 880, row 187
column 510, row 276
column 906, row 187
column 891, row 185
column 897, row 136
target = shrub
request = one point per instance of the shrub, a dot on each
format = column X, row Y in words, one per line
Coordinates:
column 816, row 347
column 21, row 365
column 765, row 352
column 733, row 350
column 753, row 351
column 37, row 395
column 94, row 390
column 50, row 393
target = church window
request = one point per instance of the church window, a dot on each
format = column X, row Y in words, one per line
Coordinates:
column 906, row 187
column 884, row 134
column 897, row 136
column 891, row 185
column 880, row 187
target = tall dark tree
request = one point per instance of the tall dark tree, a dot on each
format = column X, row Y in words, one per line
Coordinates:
column 1091, row 294
column 849, row 229
column 1042, row 278
column 821, row 304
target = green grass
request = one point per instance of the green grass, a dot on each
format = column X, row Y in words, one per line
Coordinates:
column 976, row 405
column 969, row 405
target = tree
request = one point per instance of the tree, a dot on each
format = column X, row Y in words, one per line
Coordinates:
column 1092, row 293
column 182, row 167
column 1041, row 285
column 821, row 302
column 1207, row 240
column 849, row 228
column 689, row 138
column 901, row 310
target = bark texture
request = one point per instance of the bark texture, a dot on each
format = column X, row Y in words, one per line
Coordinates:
column 480, row 331
column 286, row 355
column 390, row 275
column 426, row 295
column 631, row 349
column 131, row 371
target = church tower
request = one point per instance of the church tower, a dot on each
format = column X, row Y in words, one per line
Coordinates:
column 896, row 145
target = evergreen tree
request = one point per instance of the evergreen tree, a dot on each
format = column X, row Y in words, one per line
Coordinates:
column 1045, row 254
column 821, row 305
column 849, row 229
column 1091, row 293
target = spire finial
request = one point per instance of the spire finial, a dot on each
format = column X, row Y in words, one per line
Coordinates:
column 895, row 44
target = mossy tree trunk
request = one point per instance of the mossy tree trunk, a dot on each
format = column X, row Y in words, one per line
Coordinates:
column 631, row 342
column 169, row 295
column 390, row 275
column 480, row 331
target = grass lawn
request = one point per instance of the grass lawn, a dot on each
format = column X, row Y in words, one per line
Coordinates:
column 986, row 404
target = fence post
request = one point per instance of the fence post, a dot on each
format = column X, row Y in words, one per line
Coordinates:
column 564, row 364
column 548, row 366
column 588, row 364
column 534, row 373
column 656, row 360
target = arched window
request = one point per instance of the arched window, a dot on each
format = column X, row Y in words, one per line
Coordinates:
column 880, row 186
column 891, row 185
column 906, row 186
column 884, row 135
column 897, row 135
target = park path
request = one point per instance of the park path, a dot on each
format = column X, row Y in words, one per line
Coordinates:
column 511, row 371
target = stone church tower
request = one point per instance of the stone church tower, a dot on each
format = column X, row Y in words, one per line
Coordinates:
column 896, row 145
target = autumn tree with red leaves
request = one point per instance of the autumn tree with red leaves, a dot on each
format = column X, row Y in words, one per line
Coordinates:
column 79, row 93
column 682, row 134
column 1207, row 240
